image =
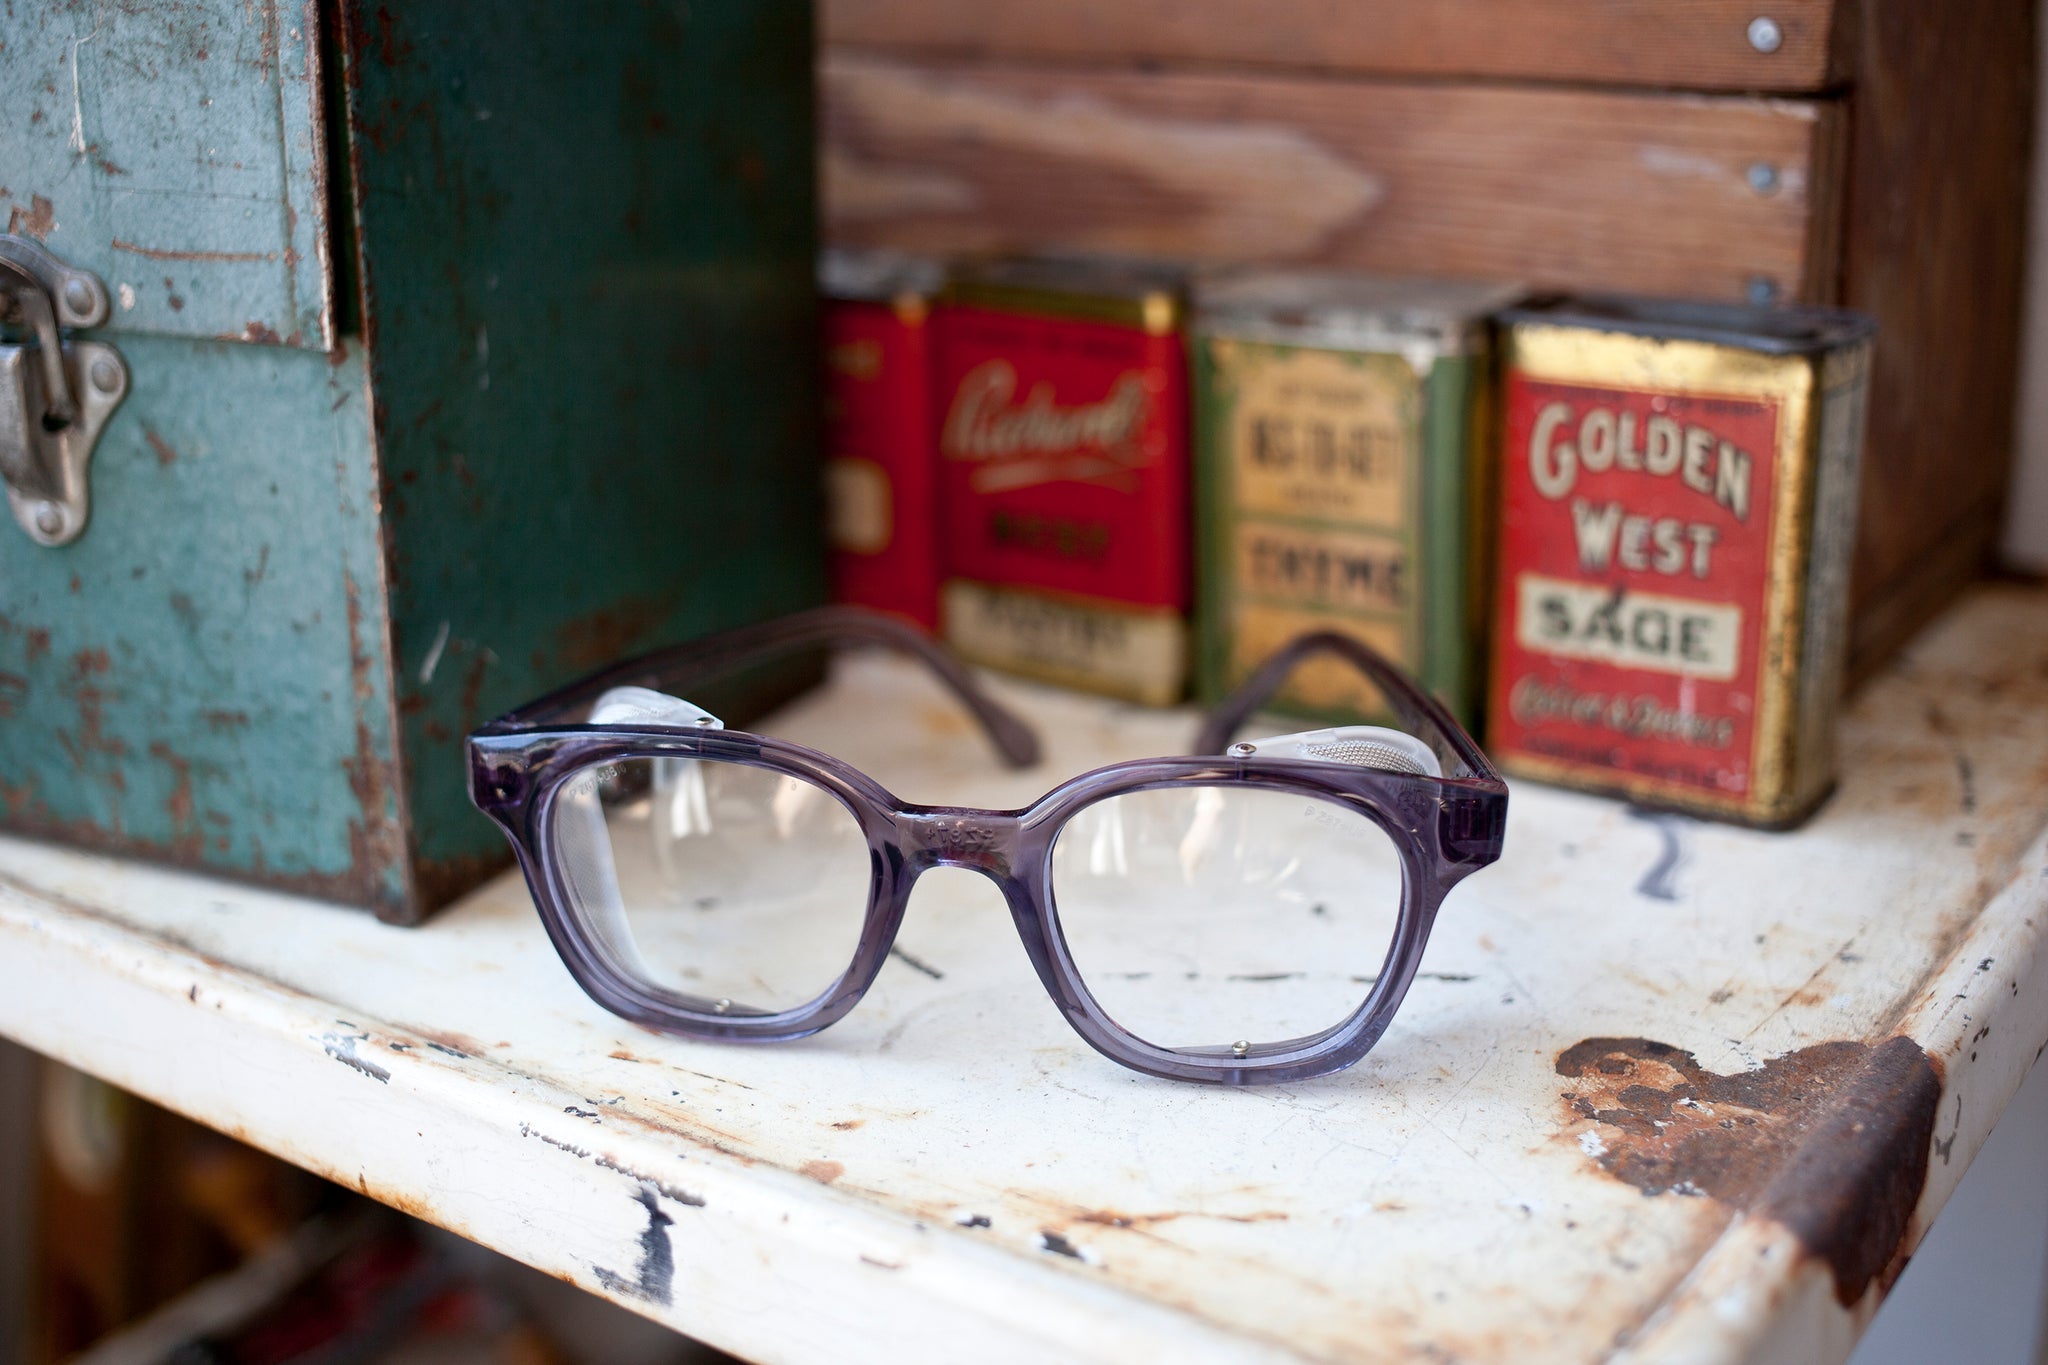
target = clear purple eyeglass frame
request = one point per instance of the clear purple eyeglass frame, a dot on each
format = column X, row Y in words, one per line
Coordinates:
column 1445, row 828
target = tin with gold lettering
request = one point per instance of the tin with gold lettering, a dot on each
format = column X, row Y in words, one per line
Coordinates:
column 1677, row 514
column 881, row 470
column 1064, row 472
column 1339, row 421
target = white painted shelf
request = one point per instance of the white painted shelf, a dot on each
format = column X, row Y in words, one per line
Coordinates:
column 950, row 1174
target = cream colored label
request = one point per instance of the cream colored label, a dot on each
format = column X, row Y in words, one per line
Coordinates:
column 1318, row 433
column 1325, row 682
column 1632, row 629
column 857, row 512
column 1134, row 652
column 1347, row 571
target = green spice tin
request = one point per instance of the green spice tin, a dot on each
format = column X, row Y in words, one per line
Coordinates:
column 1339, row 429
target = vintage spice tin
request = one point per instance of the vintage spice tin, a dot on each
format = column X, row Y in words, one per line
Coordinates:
column 1678, row 506
column 881, row 466
column 1338, row 423
column 1064, row 472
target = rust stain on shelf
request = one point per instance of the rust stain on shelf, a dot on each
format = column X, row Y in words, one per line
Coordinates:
column 1831, row 1141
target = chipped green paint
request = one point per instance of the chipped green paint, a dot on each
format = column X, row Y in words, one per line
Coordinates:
column 588, row 244
column 173, row 151
column 188, row 679
column 571, row 415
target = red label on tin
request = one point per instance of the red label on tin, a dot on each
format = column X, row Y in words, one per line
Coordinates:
column 1063, row 455
column 881, row 476
column 1635, row 559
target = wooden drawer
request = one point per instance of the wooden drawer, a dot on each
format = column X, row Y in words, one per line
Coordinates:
column 1682, row 44
column 1726, row 197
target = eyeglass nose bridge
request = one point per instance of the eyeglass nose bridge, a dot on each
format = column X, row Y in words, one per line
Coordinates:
column 980, row 841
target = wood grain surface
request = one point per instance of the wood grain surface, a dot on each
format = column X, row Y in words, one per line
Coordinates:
column 1935, row 248
column 1683, row 44
column 1672, row 194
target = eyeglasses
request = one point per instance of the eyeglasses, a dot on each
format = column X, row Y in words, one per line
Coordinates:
column 1251, row 914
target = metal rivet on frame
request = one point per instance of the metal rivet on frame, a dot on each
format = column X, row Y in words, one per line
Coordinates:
column 721, row 1005
column 1239, row 1049
column 1243, row 750
column 1765, row 35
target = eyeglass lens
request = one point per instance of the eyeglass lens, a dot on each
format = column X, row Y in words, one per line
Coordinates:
column 1209, row 916
column 719, row 881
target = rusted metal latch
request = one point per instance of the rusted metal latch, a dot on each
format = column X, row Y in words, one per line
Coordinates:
column 55, row 394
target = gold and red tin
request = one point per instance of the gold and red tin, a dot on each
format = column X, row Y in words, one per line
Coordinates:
column 1678, row 494
column 1339, row 429
column 1064, row 472
column 881, row 470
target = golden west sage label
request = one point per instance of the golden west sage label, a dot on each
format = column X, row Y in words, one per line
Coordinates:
column 1313, row 461
column 1676, row 519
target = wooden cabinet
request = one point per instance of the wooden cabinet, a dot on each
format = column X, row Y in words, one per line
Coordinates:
column 1872, row 154
column 1680, row 44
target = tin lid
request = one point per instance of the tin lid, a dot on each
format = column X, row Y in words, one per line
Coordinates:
column 1133, row 293
column 1788, row 330
column 1346, row 311
column 873, row 275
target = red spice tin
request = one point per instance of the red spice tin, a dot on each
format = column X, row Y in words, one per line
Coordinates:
column 1678, row 502
column 1064, row 472
column 881, row 471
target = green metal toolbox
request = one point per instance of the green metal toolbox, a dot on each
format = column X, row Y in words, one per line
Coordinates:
column 437, row 352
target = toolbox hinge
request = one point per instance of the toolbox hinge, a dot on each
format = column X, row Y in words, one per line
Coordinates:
column 55, row 393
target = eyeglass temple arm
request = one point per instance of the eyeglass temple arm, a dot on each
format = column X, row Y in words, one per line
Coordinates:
column 682, row 666
column 1417, row 710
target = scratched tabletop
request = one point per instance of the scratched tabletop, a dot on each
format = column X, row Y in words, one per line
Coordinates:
column 1665, row 1090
